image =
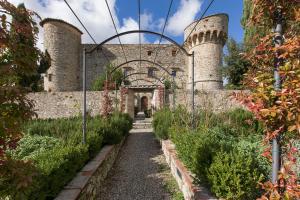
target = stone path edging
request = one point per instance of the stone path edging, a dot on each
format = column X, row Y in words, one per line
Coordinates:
column 86, row 183
column 182, row 175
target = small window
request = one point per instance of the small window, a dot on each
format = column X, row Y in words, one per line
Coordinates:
column 173, row 52
column 174, row 72
column 149, row 53
column 125, row 72
column 151, row 72
column 49, row 77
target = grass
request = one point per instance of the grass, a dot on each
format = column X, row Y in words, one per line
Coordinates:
column 169, row 182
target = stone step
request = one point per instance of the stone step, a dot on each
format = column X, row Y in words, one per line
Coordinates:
column 142, row 125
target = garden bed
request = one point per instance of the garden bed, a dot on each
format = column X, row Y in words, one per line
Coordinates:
column 183, row 176
column 86, row 184
column 223, row 152
column 55, row 149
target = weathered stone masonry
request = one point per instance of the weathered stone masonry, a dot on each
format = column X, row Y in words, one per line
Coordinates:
column 63, row 43
column 207, row 41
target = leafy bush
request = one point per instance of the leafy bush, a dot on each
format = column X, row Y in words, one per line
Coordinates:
column 235, row 175
column 224, row 151
column 116, row 77
column 56, row 150
column 197, row 149
column 161, row 122
column 57, row 167
column 32, row 145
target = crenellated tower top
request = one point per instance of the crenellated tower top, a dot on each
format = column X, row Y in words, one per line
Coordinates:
column 211, row 29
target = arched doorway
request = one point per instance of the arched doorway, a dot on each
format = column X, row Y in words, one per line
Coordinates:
column 144, row 103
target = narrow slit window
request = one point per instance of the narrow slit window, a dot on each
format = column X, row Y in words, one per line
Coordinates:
column 151, row 72
column 173, row 53
column 49, row 77
column 174, row 72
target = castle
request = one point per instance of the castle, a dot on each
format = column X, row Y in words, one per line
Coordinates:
column 206, row 41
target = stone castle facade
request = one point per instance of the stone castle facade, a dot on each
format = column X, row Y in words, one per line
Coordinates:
column 63, row 43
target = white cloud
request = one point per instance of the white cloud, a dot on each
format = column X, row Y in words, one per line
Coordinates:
column 184, row 15
column 131, row 24
column 93, row 13
column 95, row 16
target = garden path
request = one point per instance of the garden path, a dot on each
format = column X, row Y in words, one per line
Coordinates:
column 135, row 174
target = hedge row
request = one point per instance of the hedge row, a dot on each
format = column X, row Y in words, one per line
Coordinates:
column 55, row 148
column 224, row 151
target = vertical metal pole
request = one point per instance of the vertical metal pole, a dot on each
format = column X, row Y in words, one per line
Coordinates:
column 84, row 98
column 193, row 90
column 275, row 143
column 116, row 98
column 173, row 91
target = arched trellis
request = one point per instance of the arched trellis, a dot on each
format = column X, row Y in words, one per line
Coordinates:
column 142, row 79
column 99, row 46
column 142, row 60
column 141, row 73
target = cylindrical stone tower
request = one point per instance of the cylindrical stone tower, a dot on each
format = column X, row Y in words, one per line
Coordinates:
column 63, row 43
column 207, row 41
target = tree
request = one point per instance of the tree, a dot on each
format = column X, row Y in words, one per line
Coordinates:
column 31, row 81
column 251, row 32
column 115, row 76
column 277, row 109
column 18, row 56
column 235, row 64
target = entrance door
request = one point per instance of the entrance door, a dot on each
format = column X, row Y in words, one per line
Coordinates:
column 144, row 103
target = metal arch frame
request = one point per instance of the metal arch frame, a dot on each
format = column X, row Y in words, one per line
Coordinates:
column 141, row 60
column 124, row 78
column 140, row 31
column 99, row 46
column 141, row 79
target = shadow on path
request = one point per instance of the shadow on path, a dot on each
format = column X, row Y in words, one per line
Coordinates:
column 135, row 174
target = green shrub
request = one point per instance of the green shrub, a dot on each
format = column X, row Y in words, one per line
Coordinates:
column 55, row 148
column 224, row 151
column 31, row 145
column 116, row 77
column 162, row 121
column 58, row 128
column 57, row 167
column 122, row 122
column 240, row 122
column 197, row 149
column 235, row 175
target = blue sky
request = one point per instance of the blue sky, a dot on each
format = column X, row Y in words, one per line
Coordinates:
column 159, row 8
column 96, row 18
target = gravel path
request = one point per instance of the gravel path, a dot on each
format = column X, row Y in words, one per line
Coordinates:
column 136, row 173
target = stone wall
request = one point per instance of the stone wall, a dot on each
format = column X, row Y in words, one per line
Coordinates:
column 183, row 176
column 67, row 104
column 167, row 61
column 214, row 100
column 86, row 184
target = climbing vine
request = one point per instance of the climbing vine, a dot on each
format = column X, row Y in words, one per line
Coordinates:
column 278, row 110
column 161, row 96
column 124, row 92
column 106, row 108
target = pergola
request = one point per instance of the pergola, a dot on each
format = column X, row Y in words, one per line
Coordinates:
column 161, row 36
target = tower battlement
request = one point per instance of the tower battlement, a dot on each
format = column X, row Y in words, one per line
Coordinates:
column 206, row 41
column 63, row 43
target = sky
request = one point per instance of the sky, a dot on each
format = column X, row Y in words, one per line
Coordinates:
column 96, row 18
